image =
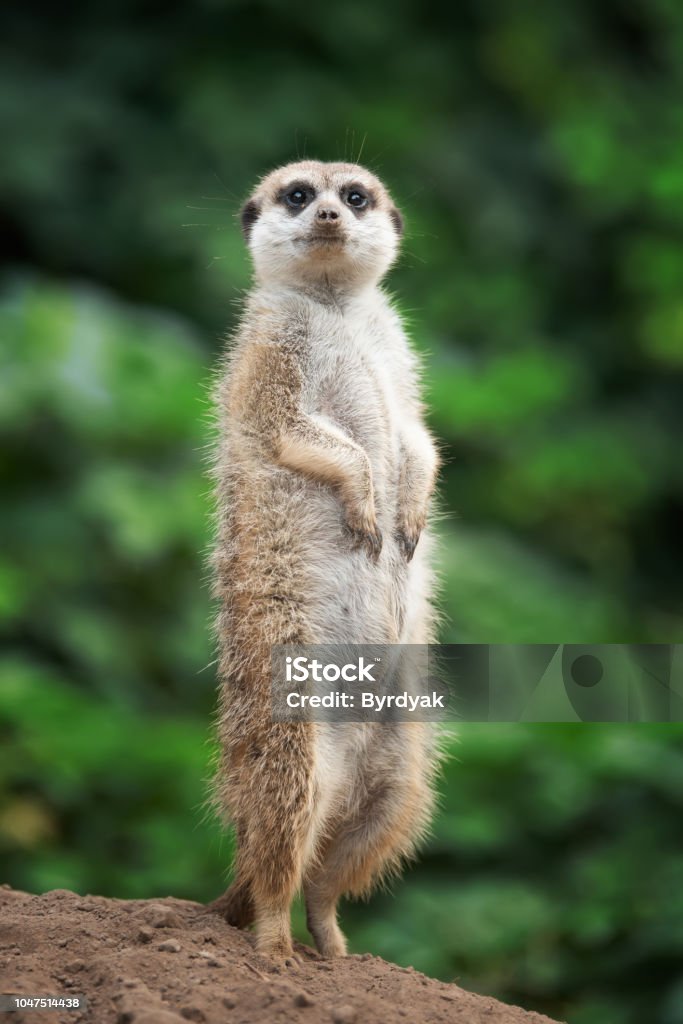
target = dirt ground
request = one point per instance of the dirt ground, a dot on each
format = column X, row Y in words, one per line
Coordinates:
column 165, row 962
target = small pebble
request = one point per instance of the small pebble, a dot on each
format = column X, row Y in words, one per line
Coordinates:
column 161, row 917
column 303, row 999
column 344, row 1015
column 170, row 946
column 192, row 1013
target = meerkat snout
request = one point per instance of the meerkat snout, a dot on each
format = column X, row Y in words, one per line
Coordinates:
column 328, row 213
column 312, row 220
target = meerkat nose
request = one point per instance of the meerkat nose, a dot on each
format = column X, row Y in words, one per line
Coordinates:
column 327, row 213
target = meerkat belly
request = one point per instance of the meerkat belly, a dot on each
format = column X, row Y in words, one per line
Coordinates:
column 355, row 600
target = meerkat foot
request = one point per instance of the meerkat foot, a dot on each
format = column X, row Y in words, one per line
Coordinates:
column 273, row 935
column 279, row 949
column 294, row 961
column 327, row 935
column 329, row 940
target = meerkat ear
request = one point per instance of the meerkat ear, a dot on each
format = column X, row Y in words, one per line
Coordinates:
column 396, row 220
column 249, row 214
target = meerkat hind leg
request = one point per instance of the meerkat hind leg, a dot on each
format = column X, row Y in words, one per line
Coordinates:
column 273, row 890
column 273, row 931
column 371, row 843
column 275, row 789
column 321, row 919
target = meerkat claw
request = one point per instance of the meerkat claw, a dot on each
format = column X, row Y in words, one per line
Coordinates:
column 293, row 962
column 407, row 542
column 370, row 541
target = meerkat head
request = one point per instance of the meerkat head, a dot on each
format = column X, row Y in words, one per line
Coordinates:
column 313, row 221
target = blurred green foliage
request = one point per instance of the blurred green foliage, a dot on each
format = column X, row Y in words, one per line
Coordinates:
column 538, row 158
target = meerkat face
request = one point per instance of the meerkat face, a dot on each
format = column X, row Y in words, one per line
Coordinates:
column 310, row 221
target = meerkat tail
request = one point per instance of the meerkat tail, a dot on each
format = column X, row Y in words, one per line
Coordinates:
column 236, row 905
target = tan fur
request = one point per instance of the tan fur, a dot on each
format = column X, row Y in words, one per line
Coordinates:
column 324, row 474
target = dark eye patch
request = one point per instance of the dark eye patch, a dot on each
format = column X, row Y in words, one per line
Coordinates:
column 296, row 196
column 358, row 198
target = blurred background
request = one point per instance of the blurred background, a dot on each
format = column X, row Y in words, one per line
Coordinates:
column 537, row 154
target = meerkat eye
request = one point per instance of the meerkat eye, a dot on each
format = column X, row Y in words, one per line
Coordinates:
column 297, row 198
column 357, row 199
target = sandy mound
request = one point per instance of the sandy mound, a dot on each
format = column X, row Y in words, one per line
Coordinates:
column 164, row 962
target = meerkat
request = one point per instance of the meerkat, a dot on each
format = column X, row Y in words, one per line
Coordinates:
column 324, row 473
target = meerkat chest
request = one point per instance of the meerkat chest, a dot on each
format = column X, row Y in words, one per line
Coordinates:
column 356, row 366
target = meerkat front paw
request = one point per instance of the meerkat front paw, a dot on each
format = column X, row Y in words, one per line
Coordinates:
column 330, row 942
column 365, row 534
column 370, row 540
column 408, row 534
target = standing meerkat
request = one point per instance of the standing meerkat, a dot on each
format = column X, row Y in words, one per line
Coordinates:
column 324, row 474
